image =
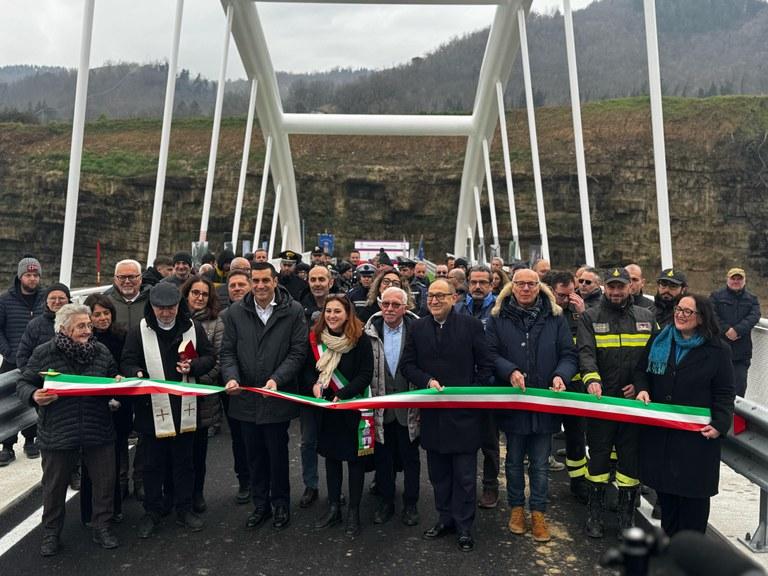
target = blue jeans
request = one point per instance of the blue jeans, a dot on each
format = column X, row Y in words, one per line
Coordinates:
column 538, row 447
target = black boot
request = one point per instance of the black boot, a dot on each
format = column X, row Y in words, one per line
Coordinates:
column 330, row 518
column 595, row 507
column 626, row 509
column 352, row 528
column 580, row 489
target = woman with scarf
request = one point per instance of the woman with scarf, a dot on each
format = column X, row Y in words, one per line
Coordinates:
column 72, row 427
column 200, row 294
column 686, row 364
column 340, row 366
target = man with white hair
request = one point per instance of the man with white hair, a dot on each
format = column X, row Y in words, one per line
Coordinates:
column 127, row 295
column 397, row 429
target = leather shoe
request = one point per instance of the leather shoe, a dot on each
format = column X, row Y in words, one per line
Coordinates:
column 466, row 543
column 282, row 517
column 438, row 531
column 31, row 450
column 243, row 495
column 384, row 513
column 260, row 515
column 489, row 499
column 147, row 525
column 105, row 538
column 330, row 518
column 50, row 545
column 199, row 504
column 189, row 519
column 352, row 528
column 411, row 515
column 309, row 496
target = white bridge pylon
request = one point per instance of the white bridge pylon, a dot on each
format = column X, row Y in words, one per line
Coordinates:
column 504, row 42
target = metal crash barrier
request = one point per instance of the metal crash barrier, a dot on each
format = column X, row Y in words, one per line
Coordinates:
column 747, row 454
column 14, row 416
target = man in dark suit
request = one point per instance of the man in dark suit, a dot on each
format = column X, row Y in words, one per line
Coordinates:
column 449, row 349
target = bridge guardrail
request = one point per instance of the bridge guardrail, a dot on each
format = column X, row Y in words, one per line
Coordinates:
column 14, row 416
column 747, row 454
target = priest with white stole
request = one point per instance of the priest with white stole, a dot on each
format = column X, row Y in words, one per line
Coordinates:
column 167, row 345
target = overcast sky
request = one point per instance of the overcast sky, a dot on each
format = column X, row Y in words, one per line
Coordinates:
column 301, row 37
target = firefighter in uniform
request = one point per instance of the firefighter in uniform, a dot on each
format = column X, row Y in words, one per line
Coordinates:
column 564, row 288
column 611, row 338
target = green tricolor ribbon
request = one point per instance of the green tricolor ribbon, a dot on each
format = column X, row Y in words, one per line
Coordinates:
column 497, row 398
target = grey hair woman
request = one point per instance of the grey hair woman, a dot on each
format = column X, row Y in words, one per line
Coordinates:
column 71, row 427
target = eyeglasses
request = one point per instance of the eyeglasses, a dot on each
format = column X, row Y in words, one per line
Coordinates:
column 684, row 312
column 562, row 296
column 583, row 281
column 439, row 296
column 128, row 278
column 388, row 282
column 393, row 305
column 524, row 284
column 198, row 294
column 441, row 274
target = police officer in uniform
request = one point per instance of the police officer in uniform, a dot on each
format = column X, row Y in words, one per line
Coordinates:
column 359, row 294
column 611, row 338
column 288, row 279
column 407, row 268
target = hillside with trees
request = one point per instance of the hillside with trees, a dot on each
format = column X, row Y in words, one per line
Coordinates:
column 707, row 48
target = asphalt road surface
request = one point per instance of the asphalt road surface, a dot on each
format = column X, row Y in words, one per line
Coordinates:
column 226, row 547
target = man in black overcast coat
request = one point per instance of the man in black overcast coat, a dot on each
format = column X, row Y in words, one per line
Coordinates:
column 449, row 349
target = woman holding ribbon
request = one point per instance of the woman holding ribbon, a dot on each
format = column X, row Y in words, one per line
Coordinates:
column 686, row 364
column 340, row 367
column 72, row 427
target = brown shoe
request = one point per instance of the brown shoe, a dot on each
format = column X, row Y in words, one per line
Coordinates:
column 517, row 521
column 489, row 499
column 539, row 527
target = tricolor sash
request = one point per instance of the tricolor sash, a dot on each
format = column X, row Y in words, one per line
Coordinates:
column 161, row 403
column 366, row 435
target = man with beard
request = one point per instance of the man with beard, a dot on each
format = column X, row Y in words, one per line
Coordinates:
column 611, row 339
column 670, row 285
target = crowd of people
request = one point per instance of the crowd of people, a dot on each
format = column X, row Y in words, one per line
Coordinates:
column 353, row 329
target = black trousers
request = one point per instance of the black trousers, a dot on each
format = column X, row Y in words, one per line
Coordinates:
column 238, row 445
column 602, row 437
column 160, row 454
column 681, row 513
column 57, row 468
column 397, row 444
column 266, row 446
column 334, row 477
column 490, row 450
column 740, row 371
column 575, row 445
column 86, row 484
column 453, row 478
column 199, row 456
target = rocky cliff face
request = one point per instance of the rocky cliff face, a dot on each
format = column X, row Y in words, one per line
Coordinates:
column 390, row 188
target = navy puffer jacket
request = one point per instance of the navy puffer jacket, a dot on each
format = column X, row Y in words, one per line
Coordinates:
column 15, row 314
column 70, row 422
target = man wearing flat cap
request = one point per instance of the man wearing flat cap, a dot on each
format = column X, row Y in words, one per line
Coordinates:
column 670, row 286
column 738, row 310
column 167, row 345
column 288, row 279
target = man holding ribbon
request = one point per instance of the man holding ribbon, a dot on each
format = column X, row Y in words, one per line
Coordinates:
column 167, row 345
column 265, row 339
column 449, row 349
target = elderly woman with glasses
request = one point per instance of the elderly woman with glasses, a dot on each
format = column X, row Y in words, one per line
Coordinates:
column 686, row 364
column 72, row 427
column 340, row 366
column 386, row 278
column 200, row 295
